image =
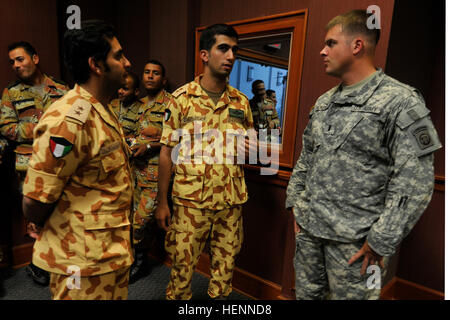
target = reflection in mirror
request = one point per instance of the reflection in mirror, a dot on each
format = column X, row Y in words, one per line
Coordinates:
column 261, row 72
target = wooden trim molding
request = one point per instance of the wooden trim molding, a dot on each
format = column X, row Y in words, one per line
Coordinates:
column 401, row 289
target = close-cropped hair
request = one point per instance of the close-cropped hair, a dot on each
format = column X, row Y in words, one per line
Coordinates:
column 355, row 22
column 208, row 37
column 25, row 46
column 255, row 84
column 92, row 40
column 156, row 62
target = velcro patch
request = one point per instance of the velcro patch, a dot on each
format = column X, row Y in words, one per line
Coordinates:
column 423, row 138
column 235, row 113
column 60, row 147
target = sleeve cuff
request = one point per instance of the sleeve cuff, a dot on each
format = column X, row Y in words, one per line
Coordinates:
column 383, row 244
column 42, row 187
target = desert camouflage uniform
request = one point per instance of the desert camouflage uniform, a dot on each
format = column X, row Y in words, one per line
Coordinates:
column 207, row 195
column 80, row 163
column 21, row 108
column 128, row 116
column 146, row 166
column 365, row 172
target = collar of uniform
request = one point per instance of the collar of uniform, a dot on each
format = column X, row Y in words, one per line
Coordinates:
column 106, row 113
column 48, row 82
column 361, row 95
column 196, row 89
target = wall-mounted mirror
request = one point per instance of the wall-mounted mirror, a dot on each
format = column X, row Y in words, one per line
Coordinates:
column 270, row 51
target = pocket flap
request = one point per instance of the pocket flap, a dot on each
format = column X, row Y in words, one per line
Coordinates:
column 109, row 163
column 408, row 117
column 190, row 169
column 105, row 221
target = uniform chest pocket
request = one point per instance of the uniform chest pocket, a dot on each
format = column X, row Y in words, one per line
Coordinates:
column 361, row 127
column 24, row 105
column 110, row 164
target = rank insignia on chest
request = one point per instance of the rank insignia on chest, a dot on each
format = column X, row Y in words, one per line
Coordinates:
column 60, row 147
column 167, row 115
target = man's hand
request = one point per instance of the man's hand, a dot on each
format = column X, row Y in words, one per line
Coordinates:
column 370, row 258
column 139, row 150
column 162, row 216
column 33, row 230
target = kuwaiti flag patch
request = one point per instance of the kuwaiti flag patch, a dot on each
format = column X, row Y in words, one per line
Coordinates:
column 60, row 147
column 167, row 115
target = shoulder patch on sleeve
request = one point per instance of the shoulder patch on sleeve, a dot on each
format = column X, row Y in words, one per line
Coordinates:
column 420, row 129
column 80, row 110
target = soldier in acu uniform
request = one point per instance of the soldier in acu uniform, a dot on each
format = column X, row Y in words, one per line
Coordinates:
column 22, row 105
column 365, row 174
column 145, row 162
column 78, row 189
column 207, row 194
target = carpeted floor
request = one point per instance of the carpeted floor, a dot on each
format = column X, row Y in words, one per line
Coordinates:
column 19, row 286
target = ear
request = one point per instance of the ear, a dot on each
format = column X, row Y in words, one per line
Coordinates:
column 164, row 82
column 137, row 92
column 35, row 59
column 357, row 45
column 204, row 55
column 94, row 66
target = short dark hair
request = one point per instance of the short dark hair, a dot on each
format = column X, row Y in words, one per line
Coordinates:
column 208, row 37
column 269, row 92
column 255, row 83
column 153, row 61
column 355, row 22
column 92, row 40
column 25, row 45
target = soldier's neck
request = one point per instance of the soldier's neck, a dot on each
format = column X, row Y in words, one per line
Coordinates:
column 36, row 79
column 212, row 83
column 151, row 95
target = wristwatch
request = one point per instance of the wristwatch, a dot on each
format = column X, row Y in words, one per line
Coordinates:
column 149, row 146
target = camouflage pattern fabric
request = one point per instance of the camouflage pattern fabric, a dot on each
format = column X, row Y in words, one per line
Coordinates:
column 185, row 241
column 128, row 116
column 210, row 183
column 149, row 129
column 80, row 163
column 366, row 167
column 110, row 286
column 264, row 113
column 21, row 108
column 208, row 195
column 322, row 270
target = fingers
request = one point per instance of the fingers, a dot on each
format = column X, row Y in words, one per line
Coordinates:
column 358, row 255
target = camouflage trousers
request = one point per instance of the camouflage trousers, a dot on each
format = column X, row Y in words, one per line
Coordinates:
column 186, row 239
column 322, row 270
column 109, row 286
column 144, row 210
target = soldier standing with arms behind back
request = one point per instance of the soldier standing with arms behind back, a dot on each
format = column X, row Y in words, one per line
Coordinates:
column 365, row 174
column 22, row 105
column 145, row 162
column 207, row 197
column 79, row 184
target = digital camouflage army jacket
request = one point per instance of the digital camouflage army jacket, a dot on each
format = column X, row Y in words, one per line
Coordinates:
column 149, row 129
column 366, row 167
column 80, row 164
column 20, row 110
column 203, row 137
